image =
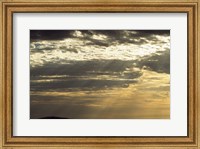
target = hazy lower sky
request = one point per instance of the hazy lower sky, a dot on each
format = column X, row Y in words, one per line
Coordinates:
column 106, row 74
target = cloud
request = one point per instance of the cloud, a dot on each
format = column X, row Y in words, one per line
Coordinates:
column 78, row 85
column 159, row 62
column 103, row 38
column 59, row 46
column 68, row 49
column 83, row 75
column 137, row 37
column 50, row 34
column 94, row 74
column 81, row 67
column 95, row 42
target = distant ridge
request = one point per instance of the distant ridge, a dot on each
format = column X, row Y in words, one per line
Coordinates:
column 53, row 117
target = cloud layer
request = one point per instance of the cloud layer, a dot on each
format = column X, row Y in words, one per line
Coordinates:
column 85, row 69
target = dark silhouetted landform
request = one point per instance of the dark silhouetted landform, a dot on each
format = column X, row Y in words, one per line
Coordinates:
column 53, row 117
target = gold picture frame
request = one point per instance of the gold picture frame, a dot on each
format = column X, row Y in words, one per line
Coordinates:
column 191, row 7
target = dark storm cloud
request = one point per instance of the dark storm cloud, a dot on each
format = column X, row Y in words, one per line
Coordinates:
column 113, row 37
column 119, row 34
column 159, row 62
column 81, row 67
column 153, row 32
column 137, row 37
column 79, row 85
column 50, row 34
column 139, row 33
column 79, row 75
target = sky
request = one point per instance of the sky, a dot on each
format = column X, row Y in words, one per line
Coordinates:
column 100, row 74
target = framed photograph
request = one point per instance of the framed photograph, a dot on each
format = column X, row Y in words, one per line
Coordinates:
column 100, row 74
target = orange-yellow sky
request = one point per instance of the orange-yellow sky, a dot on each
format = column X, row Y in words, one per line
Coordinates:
column 149, row 98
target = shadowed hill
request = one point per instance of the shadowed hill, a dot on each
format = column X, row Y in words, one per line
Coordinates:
column 53, row 117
